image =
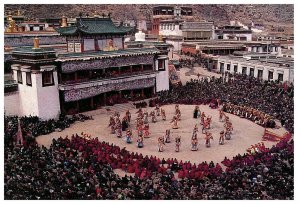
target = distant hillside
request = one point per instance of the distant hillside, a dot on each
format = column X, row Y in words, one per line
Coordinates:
column 272, row 15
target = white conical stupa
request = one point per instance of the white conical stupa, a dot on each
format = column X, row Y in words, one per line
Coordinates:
column 140, row 36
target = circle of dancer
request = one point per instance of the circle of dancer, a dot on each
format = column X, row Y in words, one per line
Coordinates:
column 157, row 114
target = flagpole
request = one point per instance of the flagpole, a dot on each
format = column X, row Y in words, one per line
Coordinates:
column 19, row 135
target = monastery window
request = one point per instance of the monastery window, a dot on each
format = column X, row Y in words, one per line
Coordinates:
column 161, row 65
column 222, row 67
column 28, row 79
column 259, row 74
column 19, row 77
column 47, row 78
column 270, row 76
column 235, row 68
column 252, row 72
column 244, row 70
column 280, row 77
column 228, row 67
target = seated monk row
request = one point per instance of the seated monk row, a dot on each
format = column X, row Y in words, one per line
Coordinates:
column 252, row 114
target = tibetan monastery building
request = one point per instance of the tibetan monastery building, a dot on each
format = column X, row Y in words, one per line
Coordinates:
column 95, row 72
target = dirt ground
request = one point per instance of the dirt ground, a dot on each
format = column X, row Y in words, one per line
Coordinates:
column 245, row 134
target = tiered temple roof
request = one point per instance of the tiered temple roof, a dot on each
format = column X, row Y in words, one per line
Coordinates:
column 106, row 54
column 93, row 26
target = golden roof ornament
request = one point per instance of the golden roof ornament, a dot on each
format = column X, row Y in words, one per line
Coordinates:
column 160, row 38
column 12, row 27
column 36, row 43
column 64, row 22
column 9, row 17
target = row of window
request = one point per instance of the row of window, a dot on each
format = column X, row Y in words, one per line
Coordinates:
column 251, row 73
column 265, row 49
column 155, row 27
column 167, row 27
column 47, row 78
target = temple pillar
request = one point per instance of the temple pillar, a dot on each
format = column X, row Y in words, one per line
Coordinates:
column 77, row 106
column 92, row 103
column 104, row 98
column 96, row 44
column 76, row 77
column 143, row 94
column 119, row 70
column 142, row 67
column 130, row 68
column 59, row 78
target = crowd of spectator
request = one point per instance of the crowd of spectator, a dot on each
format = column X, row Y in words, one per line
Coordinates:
column 270, row 97
column 32, row 126
column 76, row 168
column 80, row 168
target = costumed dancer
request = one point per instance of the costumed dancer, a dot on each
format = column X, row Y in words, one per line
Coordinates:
column 221, row 139
column 221, row 114
column 153, row 117
column 117, row 114
column 140, row 131
column 208, row 122
column 128, row 115
column 194, row 143
column 140, row 142
column 160, row 144
column 125, row 123
column 163, row 114
column 228, row 131
column 177, row 112
column 118, row 127
column 128, row 136
column 202, row 118
column 139, row 123
column 140, row 114
column 157, row 110
column 167, row 137
column 195, row 130
column 196, row 112
column 119, row 131
column 112, row 124
column 208, row 137
column 175, row 122
column 146, row 121
column 177, row 143
column 146, row 131
column 139, row 111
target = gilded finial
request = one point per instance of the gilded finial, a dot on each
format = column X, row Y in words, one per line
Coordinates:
column 64, row 22
column 36, row 43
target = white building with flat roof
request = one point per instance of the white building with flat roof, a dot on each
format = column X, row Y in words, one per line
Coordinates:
column 281, row 69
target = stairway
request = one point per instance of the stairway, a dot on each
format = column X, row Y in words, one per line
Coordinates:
column 120, row 107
